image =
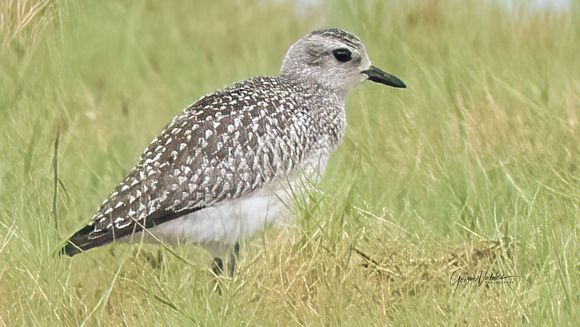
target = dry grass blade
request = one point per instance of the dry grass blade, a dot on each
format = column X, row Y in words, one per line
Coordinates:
column 16, row 16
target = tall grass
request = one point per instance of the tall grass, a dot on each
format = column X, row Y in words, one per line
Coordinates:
column 473, row 167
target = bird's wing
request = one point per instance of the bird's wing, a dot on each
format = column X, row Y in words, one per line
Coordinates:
column 223, row 146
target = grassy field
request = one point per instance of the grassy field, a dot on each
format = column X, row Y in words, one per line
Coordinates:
column 474, row 167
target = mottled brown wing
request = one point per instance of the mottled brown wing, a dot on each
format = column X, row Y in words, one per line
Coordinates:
column 222, row 147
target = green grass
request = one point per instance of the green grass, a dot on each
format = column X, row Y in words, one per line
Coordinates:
column 473, row 167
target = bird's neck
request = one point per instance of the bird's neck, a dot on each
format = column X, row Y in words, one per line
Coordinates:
column 314, row 87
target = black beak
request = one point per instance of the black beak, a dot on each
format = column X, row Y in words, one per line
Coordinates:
column 379, row 76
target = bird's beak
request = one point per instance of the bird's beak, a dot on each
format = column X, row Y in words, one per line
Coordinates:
column 379, row 76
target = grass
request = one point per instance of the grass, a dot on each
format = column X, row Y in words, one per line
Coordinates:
column 473, row 167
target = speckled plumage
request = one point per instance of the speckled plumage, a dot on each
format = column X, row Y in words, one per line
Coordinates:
column 215, row 173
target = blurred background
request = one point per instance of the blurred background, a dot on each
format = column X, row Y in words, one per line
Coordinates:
column 473, row 167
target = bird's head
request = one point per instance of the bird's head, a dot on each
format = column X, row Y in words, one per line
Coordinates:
column 335, row 59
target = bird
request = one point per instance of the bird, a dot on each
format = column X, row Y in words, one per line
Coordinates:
column 229, row 163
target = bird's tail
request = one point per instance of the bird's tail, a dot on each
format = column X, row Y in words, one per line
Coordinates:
column 81, row 242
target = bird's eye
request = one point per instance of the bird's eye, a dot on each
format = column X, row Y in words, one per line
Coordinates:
column 342, row 55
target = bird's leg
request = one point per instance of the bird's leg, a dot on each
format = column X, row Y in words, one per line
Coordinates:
column 217, row 266
column 235, row 254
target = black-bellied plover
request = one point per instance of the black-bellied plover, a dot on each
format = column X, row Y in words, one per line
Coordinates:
column 222, row 169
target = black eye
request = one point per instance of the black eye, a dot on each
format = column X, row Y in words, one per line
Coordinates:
column 342, row 55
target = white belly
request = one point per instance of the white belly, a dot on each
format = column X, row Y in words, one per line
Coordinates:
column 219, row 227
